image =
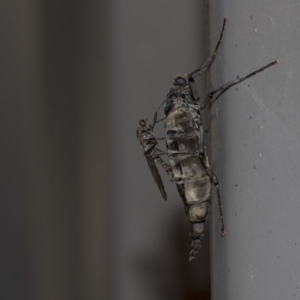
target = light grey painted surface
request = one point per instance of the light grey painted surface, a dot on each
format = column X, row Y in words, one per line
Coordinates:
column 255, row 147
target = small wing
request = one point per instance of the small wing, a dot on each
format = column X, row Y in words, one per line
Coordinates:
column 156, row 176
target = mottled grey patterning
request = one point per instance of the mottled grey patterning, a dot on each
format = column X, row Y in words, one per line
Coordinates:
column 188, row 160
column 185, row 147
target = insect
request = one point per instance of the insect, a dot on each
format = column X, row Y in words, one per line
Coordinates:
column 188, row 162
column 149, row 142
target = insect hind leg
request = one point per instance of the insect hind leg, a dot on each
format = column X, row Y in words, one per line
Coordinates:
column 214, row 180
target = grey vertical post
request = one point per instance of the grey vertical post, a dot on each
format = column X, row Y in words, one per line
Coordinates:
column 255, row 151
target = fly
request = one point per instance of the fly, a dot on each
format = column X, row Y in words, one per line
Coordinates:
column 188, row 161
column 148, row 140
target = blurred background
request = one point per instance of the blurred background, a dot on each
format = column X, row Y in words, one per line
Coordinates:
column 81, row 216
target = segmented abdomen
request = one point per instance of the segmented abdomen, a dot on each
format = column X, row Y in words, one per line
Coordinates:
column 184, row 147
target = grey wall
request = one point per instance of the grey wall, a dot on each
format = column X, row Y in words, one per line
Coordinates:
column 256, row 150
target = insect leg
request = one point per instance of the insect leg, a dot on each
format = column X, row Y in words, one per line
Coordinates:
column 156, row 154
column 162, row 119
column 205, row 66
column 222, row 89
column 155, row 116
column 214, row 180
column 170, row 154
column 160, row 139
column 157, row 149
column 165, row 167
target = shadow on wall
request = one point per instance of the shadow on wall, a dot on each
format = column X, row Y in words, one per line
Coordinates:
column 172, row 276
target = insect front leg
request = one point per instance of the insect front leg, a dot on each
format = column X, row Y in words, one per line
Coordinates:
column 207, row 64
column 210, row 99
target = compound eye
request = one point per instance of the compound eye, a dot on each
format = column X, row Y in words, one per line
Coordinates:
column 179, row 80
column 143, row 123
